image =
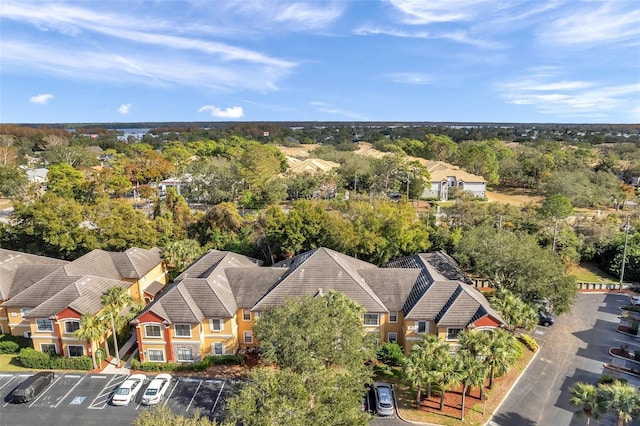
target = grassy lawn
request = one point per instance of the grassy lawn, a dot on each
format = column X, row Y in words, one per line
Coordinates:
column 9, row 362
column 588, row 272
column 406, row 400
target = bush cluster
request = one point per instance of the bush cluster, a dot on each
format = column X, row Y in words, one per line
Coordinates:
column 31, row 358
column 196, row 366
column 529, row 342
column 391, row 354
column 12, row 344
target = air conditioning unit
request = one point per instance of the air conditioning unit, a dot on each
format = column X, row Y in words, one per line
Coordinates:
column 27, row 334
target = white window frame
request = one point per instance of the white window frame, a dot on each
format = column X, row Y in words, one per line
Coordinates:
column 248, row 337
column 24, row 311
column 389, row 339
column 74, row 346
column 44, row 330
column 371, row 315
column 175, row 330
column 70, row 322
column 190, row 353
column 212, row 328
column 455, row 339
column 148, row 357
column 244, row 315
column 223, row 350
column 426, row 327
column 146, row 333
column 391, row 318
column 55, row 347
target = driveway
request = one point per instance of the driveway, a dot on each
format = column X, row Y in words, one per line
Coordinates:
column 572, row 350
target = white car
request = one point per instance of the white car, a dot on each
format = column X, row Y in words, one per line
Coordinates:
column 634, row 300
column 128, row 390
column 156, row 389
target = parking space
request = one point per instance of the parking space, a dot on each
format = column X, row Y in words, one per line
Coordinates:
column 87, row 398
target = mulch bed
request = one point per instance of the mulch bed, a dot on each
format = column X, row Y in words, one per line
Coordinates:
column 452, row 402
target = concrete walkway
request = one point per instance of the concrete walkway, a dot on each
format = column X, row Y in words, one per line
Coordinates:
column 112, row 368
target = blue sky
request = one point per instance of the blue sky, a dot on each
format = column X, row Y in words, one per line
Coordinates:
column 393, row 60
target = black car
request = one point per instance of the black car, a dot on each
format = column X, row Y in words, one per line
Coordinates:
column 545, row 319
column 31, row 387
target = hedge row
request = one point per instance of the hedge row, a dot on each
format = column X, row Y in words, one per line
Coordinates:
column 12, row 344
column 196, row 366
column 529, row 342
column 31, row 358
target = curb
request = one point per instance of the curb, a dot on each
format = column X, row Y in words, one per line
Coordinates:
column 514, row 385
column 395, row 401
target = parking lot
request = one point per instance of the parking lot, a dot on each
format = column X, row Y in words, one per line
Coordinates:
column 85, row 399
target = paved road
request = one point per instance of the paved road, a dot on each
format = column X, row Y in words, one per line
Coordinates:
column 573, row 350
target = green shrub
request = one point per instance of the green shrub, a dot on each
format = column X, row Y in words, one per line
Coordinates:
column 76, row 363
column 529, row 342
column 224, row 360
column 22, row 342
column 154, row 366
column 391, row 354
column 608, row 380
column 31, row 358
column 199, row 366
column 9, row 347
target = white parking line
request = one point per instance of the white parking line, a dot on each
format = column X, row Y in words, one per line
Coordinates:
column 46, row 390
column 219, row 393
column 194, row 396
column 70, row 390
column 102, row 394
column 171, row 393
column 8, row 381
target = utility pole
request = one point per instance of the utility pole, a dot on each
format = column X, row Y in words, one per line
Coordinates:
column 355, row 184
column 555, row 232
column 408, row 180
column 500, row 221
column 624, row 251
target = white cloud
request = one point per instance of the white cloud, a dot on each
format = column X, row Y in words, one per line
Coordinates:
column 569, row 98
column 231, row 112
column 372, row 30
column 408, row 78
column 41, row 99
column 124, row 109
column 595, row 23
column 420, row 12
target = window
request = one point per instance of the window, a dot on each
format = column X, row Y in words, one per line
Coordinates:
column 422, row 326
column 48, row 348
column 392, row 337
column 246, row 315
column 44, row 324
column 216, row 324
column 152, row 331
column 452, row 333
column 24, row 311
column 155, row 355
column 182, row 330
column 248, row 337
column 75, row 350
column 371, row 319
column 71, row 326
column 393, row 316
column 185, row 355
column 218, row 348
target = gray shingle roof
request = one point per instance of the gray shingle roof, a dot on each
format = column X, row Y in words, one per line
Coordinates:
column 250, row 284
column 176, row 305
column 42, row 290
column 392, row 285
column 465, row 306
column 324, row 269
column 135, row 263
column 19, row 270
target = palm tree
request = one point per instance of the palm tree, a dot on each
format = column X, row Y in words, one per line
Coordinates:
column 472, row 372
column 585, row 396
column 501, row 355
column 415, row 372
column 432, row 351
column 515, row 312
column 450, row 376
column 113, row 301
column 91, row 329
column 621, row 398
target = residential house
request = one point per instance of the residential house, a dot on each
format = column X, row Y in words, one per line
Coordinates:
column 211, row 308
column 44, row 298
column 445, row 177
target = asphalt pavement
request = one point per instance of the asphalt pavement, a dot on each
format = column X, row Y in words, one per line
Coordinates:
column 572, row 350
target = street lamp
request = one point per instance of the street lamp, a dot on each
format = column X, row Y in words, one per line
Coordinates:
column 115, row 337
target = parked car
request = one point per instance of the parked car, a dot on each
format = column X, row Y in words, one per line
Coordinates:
column 634, row 300
column 156, row 389
column 128, row 390
column 545, row 318
column 384, row 400
column 31, row 387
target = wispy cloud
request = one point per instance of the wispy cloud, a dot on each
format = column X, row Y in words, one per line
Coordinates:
column 41, row 99
column 595, row 23
column 230, row 112
column 373, row 30
column 569, row 98
column 419, row 12
column 124, row 109
column 408, row 78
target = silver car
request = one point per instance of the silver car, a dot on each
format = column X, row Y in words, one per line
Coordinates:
column 384, row 399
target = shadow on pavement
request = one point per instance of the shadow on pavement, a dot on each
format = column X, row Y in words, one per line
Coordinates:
column 511, row 419
column 612, row 303
column 597, row 351
column 579, row 376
